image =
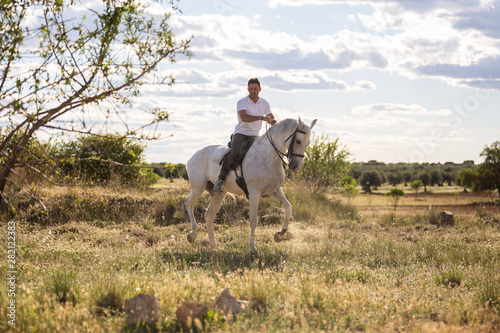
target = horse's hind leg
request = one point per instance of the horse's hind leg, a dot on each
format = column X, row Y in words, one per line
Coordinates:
column 280, row 196
column 193, row 196
column 213, row 208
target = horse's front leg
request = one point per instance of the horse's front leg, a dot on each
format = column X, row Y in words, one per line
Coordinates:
column 280, row 196
column 254, row 208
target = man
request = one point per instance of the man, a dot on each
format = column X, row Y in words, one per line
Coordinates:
column 252, row 110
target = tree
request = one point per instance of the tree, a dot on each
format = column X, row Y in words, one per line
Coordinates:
column 436, row 177
column 449, row 177
column 325, row 163
column 370, row 178
column 426, row 179
column 394, row 178
column 356, row 170
column 349, row 188
column 467, row 177
column 484, row 179
column 416, row 185
column 407, row 177
column 490, row 169
column 66, row 73
column 171, row 169
column 395, row 194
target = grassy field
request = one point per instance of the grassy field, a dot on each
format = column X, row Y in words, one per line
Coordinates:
column 359, row 267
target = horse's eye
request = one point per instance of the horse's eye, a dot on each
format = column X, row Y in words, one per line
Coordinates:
column 298, row 142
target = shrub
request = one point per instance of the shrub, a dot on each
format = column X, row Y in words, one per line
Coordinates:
column 63, row 284
column 416, row 185
column 325, row 164
column 395, row 194
column 102, row 159
column 349, row 188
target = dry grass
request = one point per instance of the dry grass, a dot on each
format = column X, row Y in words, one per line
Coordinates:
column 339, row 269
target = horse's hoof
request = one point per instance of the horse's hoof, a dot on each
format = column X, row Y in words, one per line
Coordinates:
column 191, row 237
column 278, row 236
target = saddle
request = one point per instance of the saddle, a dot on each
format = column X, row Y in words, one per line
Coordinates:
column 244, row 147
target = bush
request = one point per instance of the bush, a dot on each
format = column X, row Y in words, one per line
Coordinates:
column 416, row 185
column 102, row 159
column 349, row 188
column 395, row 194
column 325, row 164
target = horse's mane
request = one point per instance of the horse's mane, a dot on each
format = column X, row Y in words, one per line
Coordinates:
column 282, row 125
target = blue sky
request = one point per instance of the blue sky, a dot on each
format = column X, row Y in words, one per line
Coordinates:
column 396, row 81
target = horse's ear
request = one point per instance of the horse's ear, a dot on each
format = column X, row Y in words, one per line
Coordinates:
column 313, row 123
column 300, row 122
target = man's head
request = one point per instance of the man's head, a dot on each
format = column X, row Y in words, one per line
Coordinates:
column 253, row 88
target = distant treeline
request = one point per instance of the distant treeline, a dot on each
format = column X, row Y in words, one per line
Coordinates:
column 169, row 170
column 371, row 174
column 433, row 174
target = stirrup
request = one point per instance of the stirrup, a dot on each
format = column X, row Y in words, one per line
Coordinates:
column 218, row 185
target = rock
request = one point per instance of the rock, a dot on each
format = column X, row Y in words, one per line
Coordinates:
column 142, row 308
column 188, row 312
column 227, row 303
column 445, row 218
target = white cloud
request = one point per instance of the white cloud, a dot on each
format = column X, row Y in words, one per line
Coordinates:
column 297, row 3
column 194, row 83
column 399, row 109
column 411, row 45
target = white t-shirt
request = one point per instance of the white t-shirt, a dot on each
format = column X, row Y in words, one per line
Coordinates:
column 260, row 108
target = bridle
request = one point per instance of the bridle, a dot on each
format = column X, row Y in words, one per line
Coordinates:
column 290, row 152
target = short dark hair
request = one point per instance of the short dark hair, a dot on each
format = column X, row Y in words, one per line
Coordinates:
column 254, row 80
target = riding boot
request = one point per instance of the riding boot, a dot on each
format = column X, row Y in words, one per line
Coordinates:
column 222, row 176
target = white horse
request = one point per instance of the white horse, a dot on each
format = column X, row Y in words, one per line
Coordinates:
column 263, row 171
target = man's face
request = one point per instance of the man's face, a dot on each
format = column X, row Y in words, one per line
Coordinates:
column 253, row 90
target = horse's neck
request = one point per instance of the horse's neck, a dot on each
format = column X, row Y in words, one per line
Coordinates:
column 278, row 139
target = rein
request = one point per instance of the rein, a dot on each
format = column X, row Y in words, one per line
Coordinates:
column 290, row 152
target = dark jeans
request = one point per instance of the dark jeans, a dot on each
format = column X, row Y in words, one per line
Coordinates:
column 235, row 150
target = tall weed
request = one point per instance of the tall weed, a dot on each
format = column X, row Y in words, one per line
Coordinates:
column 64, row 285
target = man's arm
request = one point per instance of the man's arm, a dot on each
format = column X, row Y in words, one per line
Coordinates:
column 244, row 116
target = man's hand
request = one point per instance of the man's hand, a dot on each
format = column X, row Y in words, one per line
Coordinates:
column 267, row 119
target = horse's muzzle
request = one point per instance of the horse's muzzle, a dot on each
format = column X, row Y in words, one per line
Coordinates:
column 295, row 165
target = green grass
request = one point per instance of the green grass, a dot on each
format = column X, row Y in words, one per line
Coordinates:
column 335, row 270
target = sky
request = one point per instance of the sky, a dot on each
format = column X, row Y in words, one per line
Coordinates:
column 395, row 81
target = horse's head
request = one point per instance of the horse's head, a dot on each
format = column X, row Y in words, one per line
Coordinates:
column 298, row 144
